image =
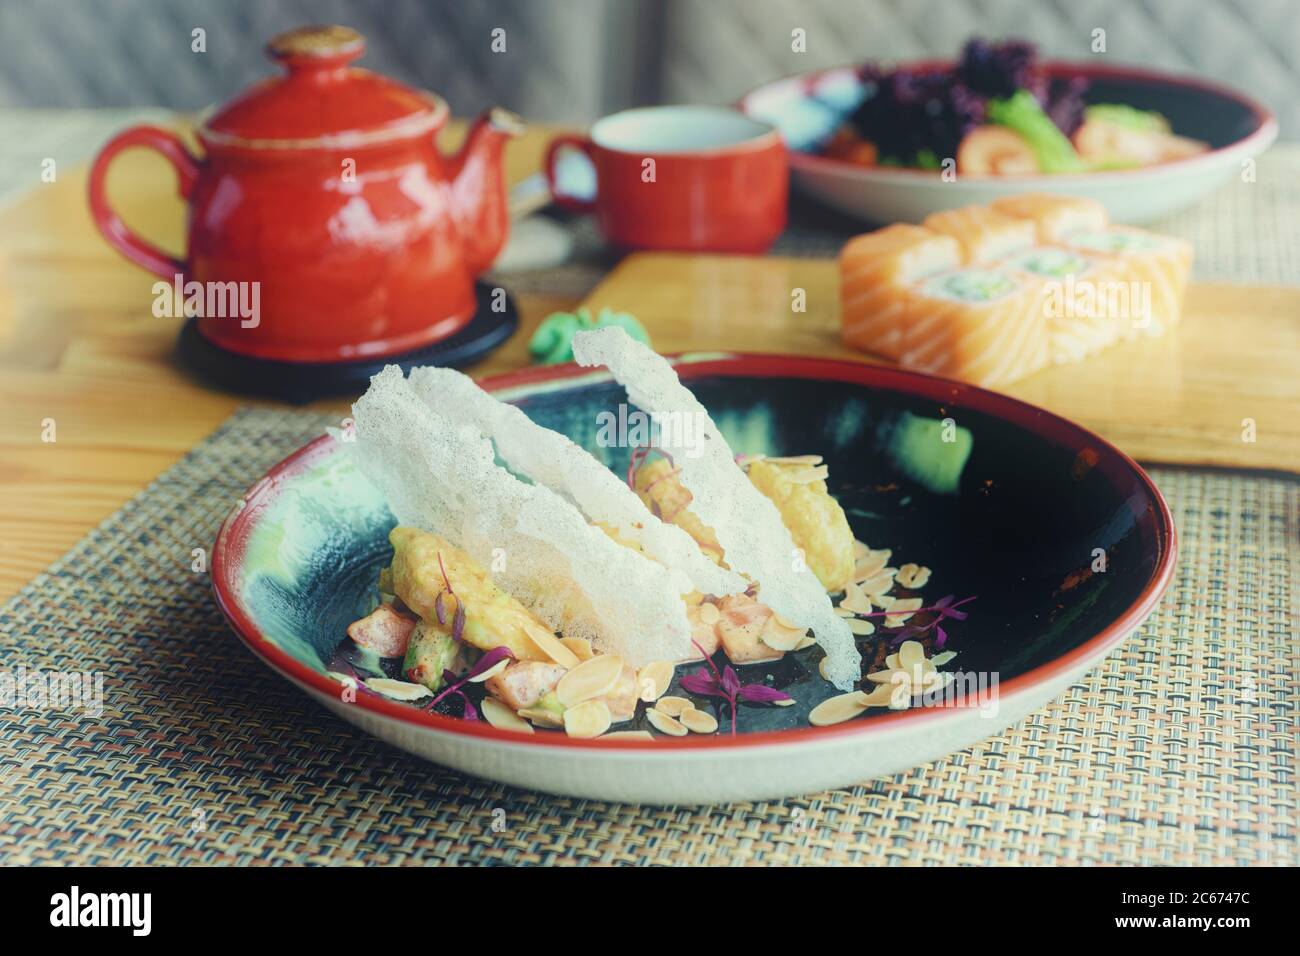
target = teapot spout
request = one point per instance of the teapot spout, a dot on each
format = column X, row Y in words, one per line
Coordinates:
column 478, row 187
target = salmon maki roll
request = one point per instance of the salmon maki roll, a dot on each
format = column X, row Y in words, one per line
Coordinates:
column 875, row 270
column 1146, row 294
column 983, row 325
column 1054, row 217
column 984, row 234
column 1077, row 323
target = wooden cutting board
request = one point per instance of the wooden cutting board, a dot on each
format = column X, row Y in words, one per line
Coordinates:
column 1188, row 397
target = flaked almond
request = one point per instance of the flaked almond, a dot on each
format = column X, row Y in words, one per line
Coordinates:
column 541, row 717
column 878, row 583
column 861, row 628
column 807, row 642
column 806, row 476
column 499, row 715
column 894, row 675
column 784, row 702
column 942, row 658
column 860, row 549
column 673, row 706
column 838, row 709
column 856, row 600
column 821, row 668
column 708, row 613
column 589, row 719
column 590, row 679
column 892, row 661
column 628, row 735
column 698, row 721
column 913, row 576
column 870, row 563
column 883, row 601
column 900, row 611
column 665, row 724
column 910, row 653
column 652, row 680
column 780, row 634
column 744, row 461
column 924, row 680
column 845, row 612
column 397, row 689
column 808, row 460
column 492, row 671
column 580, row 646
column 885, row 694
column 550, row 646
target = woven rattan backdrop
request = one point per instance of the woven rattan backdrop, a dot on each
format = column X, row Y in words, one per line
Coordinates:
column 1179, row 750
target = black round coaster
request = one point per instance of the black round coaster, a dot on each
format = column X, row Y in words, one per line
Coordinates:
column 301, row 382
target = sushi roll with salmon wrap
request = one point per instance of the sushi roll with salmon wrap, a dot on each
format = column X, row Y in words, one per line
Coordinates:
column 876, row 270
column 1054, row 217
column 1146, row 297
column 985, row 235
column 980, row 324
column 907, row 296
column 1078, row 322
column 991, row 294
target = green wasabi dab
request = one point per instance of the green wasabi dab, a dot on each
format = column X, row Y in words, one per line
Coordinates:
column 552, row 343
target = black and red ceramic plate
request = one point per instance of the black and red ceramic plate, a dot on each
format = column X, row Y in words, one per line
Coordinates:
column 808, row 107
column 1064, row 541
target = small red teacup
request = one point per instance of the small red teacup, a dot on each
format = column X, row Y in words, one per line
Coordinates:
column 695, row 178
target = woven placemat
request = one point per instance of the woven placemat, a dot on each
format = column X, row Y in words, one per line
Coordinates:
column 1178, row 750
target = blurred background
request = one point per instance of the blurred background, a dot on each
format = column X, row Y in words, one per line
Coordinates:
column 570, row 61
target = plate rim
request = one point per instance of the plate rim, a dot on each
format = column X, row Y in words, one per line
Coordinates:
column 1254, row 142
column 235, row 527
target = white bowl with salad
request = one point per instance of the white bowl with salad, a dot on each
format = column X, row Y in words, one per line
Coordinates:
column 895, row 143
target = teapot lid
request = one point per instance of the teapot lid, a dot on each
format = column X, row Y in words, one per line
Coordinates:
column 321, row 101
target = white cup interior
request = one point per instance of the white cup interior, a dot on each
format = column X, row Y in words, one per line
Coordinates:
column 676, row 129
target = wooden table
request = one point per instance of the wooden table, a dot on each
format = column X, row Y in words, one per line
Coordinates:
column 79, row 346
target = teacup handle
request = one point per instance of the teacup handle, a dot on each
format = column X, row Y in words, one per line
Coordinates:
column 564, row 200
column 110, row 224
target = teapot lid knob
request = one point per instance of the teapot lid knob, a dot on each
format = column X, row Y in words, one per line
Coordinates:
column 317, row 46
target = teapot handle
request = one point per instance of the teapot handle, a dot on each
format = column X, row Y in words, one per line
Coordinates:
column 108, row 222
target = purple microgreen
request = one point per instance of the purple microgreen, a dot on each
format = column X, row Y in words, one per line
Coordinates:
column 440, row 609
column 730, row 682
column 469, row 713
column 638, row 457
column 727, row 685
column 489, row 661
column 667, row 474
column 445, row 580
column 704, row 656
column 702, row 684
column 458, row 622
column 456, row 684
column 943, row 609
column 633, row 463
column 762, row 694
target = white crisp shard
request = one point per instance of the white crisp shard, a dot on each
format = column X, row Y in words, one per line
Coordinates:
column 553, row 460
column 754, row 539
column 444, row 478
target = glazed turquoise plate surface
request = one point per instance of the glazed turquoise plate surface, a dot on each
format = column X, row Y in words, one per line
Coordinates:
column 1062, row 541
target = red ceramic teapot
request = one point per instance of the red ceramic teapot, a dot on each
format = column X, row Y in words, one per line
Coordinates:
column 322, row 192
